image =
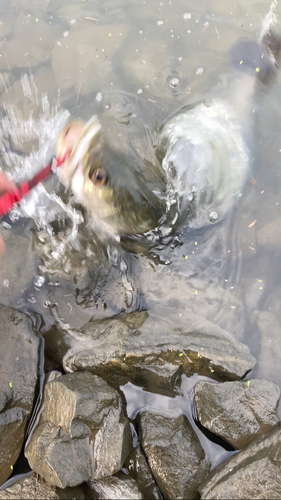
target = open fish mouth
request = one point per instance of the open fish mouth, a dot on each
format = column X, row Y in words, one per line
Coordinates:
column 74, row 141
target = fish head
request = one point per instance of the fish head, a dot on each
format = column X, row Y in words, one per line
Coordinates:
column 105, row 181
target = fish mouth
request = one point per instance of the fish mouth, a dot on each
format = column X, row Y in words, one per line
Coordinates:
column 74, row 141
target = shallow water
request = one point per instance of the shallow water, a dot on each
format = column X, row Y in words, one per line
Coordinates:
column 133, row 63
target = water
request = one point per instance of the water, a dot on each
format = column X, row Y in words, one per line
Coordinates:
column 134, row 63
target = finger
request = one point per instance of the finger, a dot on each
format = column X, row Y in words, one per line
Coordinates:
column 5, row 183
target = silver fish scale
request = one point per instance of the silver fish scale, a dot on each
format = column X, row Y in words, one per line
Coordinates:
column 206, row 160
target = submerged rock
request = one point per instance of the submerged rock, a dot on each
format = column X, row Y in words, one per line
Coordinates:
column 17, row 268
column 30, row 488
column 82, row 432
column 117, row 487
column 18, row 379
column 174, row 454
column 31, row 44
column 82, row 56
column 238, row 411
column 269, row 236
column 253, row 473
column 149, row 350
column 268, row 327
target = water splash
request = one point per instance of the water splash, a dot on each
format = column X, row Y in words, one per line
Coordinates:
column 270, row 20
column 27, row 146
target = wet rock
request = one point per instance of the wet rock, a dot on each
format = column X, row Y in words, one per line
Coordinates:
column 253, row 473
column 17, row 268
column 33, row 7
column 32, row 42
column 174, row 454
column 30, row 488
column 269, row 236
column 26, row 95
column 83, row 57
column 269, row 357
column 18, row 378
column 82, row 431
column 137, row 467
column 76, row 12
column 221, row 38
column 238, row 411
column 154, row 352
column 6, row 23
column 115, row 487
column 5, row 81
column 191, row 300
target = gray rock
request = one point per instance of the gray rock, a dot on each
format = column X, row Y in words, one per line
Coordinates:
column 83, row 58
column 82, row 431
column 18, row 267
column 269, row 236
column 190, row 301
column 18, row 379
column 26, row 95
column 116, row 487
column 238, row 411
column 269, row 354
column 152, row 351
column 30, row 488
column 253, row 473
column 174, row 454
column 31, row 44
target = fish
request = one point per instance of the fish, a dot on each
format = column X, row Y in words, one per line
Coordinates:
column 103, row 181
column 201, row 150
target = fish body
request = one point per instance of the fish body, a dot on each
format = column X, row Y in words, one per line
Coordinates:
column 205, row 160
column 201, row 150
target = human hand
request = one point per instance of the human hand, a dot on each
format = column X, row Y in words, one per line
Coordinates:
column 5, row 185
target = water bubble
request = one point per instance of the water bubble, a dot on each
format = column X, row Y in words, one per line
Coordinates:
column 174, row 82
column 39, row 281
column 200, row 71
column 160, row 22
column 99, row 96
column 73, row 21
column 6, row 283
column 32, row 299
column 190, row 197
column 214, row 216
column 188, row 31
column 187, row 15
column 139, row 91
column 65, row 34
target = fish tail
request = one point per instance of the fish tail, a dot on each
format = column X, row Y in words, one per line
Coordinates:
column 256, row 58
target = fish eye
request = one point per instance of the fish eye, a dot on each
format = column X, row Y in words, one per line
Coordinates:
column 99, row 177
